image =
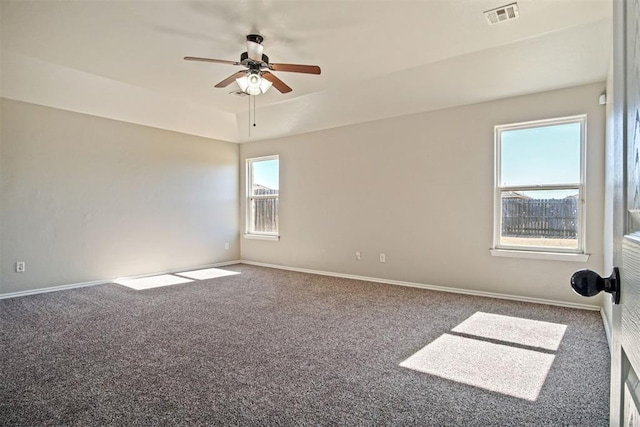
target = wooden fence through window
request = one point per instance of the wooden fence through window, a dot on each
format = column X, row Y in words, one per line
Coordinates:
column 553, row 218
column 265, row 211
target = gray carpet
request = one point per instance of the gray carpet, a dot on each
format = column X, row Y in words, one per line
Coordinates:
column 275, row 348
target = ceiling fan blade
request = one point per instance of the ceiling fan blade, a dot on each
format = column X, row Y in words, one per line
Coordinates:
column 295, row 68
column 217, row 61
column 232, row 78
column 277, row 83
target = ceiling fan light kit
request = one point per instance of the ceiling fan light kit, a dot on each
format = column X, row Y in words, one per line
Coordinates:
column 253, row 84
column 257, row 78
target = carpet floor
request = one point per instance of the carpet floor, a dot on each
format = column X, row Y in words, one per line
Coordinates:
column 278, row 348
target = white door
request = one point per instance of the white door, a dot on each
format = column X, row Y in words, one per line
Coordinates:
column 625, row 168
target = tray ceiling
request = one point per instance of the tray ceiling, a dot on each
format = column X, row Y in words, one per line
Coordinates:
column 379, row 59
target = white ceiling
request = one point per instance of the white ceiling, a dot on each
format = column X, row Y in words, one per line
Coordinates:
column 123, row 59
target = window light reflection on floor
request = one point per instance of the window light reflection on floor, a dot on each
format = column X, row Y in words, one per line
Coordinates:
column 152, row 281
column 208, row 273
column 527, row 332
column 503, row 354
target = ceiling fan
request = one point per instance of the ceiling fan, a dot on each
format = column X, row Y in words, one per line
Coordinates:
column 257, row 78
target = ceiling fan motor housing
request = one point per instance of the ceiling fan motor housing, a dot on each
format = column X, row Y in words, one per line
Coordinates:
column 251, row 64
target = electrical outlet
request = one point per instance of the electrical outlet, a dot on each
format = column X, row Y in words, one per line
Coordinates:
column 226, row 246
column 383, row 258
column 20, row 266
column 357, row 256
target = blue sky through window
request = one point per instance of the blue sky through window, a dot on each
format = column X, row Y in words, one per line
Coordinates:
column 541, row 156
column 266, row 173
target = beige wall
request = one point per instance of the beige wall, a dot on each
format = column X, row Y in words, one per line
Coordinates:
column 85, row 198
column 420, row 189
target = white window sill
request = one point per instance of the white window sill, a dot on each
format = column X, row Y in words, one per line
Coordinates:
column 551, row 256
column 273, row 237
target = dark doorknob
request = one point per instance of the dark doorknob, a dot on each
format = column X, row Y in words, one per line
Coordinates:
column 589, row 283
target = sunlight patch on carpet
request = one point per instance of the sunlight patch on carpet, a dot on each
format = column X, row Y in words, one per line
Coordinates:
column 499, row 368
column 504, row 354
column 527, row 332
column 152, row 281
column 208, row 273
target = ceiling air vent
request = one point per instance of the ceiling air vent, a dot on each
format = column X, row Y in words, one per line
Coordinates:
column 502, row 14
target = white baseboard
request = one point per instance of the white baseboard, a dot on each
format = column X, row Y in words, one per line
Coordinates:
column 179, row 270
column 102, row 282
column 607, row 329
column 430, row 287
column 332, row 274
column 51, row 289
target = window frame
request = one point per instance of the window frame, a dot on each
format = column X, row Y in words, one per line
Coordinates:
column 513, row 250
column 250, row 197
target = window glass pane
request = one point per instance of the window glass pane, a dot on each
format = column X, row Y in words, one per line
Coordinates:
column 265, row 177
column 264, row 215
column 262, row 200
column 544, row 155
column 541, row 218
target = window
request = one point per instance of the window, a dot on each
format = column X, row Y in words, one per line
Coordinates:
column 539, row 194
column 262, row 197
